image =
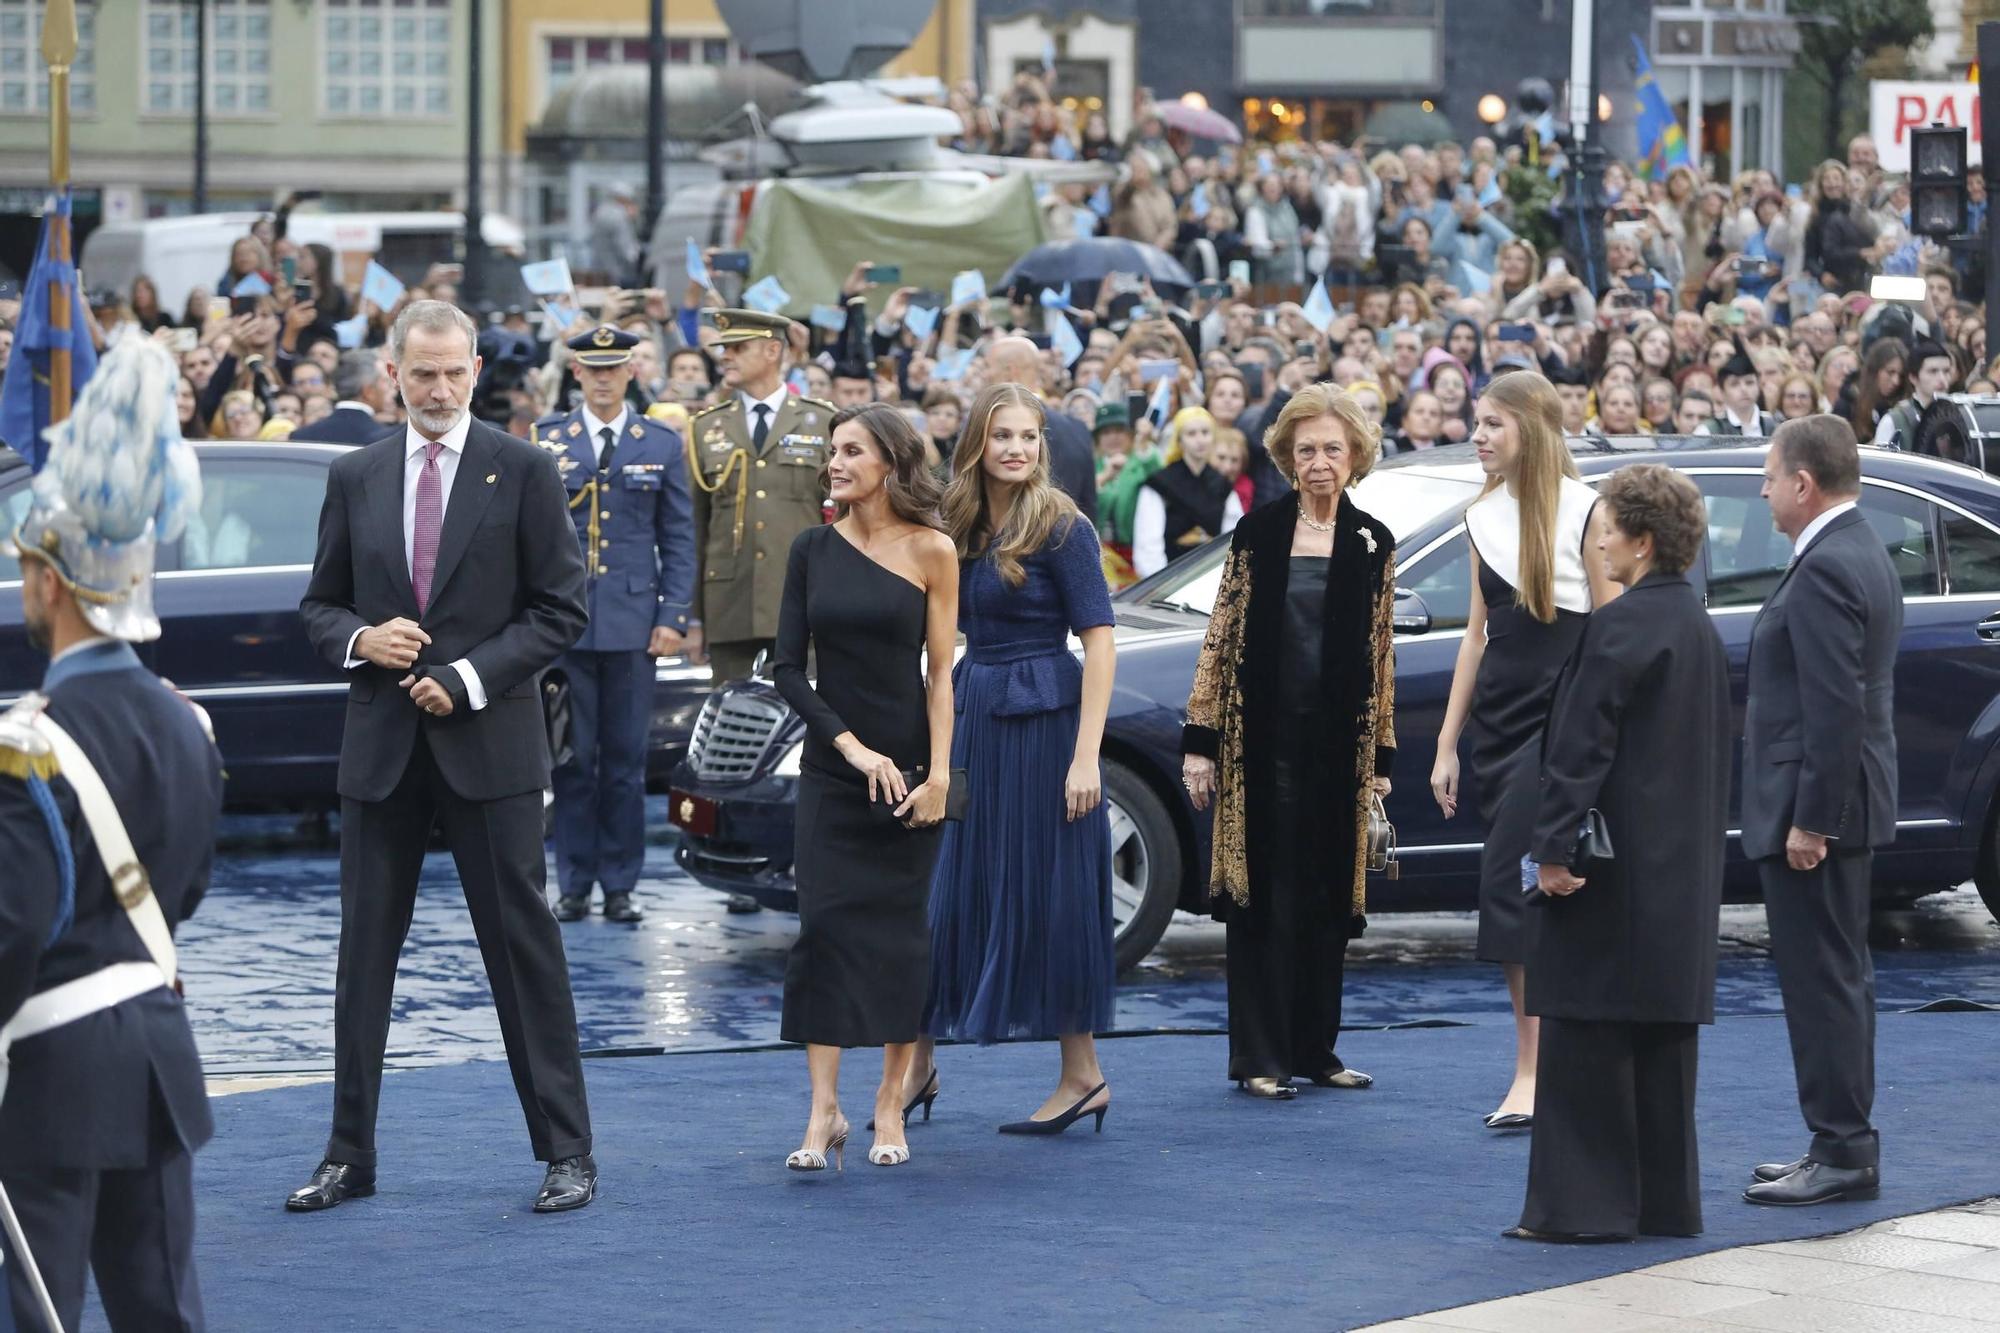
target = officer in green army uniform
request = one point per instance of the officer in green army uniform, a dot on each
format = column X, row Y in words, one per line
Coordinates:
column 755, row 460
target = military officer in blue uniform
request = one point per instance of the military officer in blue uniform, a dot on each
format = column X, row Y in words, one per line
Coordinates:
column 102, row 1104
column 628, row 492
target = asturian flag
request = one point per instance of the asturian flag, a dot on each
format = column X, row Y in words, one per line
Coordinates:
column 1662, row 145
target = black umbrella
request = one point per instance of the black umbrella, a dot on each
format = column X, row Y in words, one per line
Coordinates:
column 1085, row 263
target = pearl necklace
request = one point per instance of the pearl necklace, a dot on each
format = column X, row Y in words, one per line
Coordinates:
column 1314, row 523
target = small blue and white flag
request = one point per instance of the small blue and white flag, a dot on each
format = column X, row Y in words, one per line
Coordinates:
column 767, row 294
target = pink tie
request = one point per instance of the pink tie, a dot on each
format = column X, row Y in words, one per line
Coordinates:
column 430, row 518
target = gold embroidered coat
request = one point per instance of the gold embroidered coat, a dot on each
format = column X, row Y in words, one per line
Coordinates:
column 1238, row 670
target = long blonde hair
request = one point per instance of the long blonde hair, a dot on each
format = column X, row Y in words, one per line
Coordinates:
column 1039, row 510
column 1532, row 401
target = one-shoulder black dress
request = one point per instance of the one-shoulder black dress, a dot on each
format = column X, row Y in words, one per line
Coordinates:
column 860, row 969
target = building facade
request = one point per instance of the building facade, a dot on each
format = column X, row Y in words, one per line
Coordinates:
column 1323, row 69
column 364, row 100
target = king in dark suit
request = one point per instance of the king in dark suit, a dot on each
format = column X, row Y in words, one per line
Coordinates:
column 103, row 1106
column 1819, row 795
column 447, row 579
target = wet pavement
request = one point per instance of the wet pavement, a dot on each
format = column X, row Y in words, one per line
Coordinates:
column 258, row 961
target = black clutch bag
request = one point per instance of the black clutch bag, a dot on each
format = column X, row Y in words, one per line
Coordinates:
column 957, row 797
column 1593, row 842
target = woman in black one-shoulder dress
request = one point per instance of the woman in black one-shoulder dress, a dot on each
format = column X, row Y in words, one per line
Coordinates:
column 1536, row 585
column 864, row 598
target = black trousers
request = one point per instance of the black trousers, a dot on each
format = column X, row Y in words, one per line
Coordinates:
column 134, row 1228
column 1286, row 951
column 497, row 846
column 1819, row 941
column 1614, row 1142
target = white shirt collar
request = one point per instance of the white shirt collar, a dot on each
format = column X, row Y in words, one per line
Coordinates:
column 353, row 405
column 776, row 402
column 454, row 439
column 594, row 427
column 1753, row 426
column 1818, row 525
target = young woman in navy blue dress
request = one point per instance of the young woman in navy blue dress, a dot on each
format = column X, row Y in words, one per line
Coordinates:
column 1021, row 933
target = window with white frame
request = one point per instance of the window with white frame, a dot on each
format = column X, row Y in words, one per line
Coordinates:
column 24, row 79
column 386, row 58
column 239, row 57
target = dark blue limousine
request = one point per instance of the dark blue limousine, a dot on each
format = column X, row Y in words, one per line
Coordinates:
column 1939, row 522
column 228, row 598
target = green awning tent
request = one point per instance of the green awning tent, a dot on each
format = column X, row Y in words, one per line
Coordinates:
column 810, row 236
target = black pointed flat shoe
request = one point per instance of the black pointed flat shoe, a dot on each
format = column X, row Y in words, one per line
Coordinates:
column 332, row 1184
column 1510, row 1121
column 1565, row 1237
column 571, row 1183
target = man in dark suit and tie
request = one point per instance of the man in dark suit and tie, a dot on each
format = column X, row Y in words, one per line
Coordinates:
column 362, row 391
column 448, row 578
column 1819, row 794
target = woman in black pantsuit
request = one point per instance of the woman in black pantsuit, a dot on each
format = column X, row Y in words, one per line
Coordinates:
column 1532, row 589
column 866, row 596
column 1623, row 969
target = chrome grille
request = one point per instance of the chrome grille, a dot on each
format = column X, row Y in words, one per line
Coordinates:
column 731, row 736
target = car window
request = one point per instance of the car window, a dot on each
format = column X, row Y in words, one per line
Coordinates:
column 1444, row 580
column 254, row 512
column 1972, row 554
column 1903, row 523
column 13, row 508
column 1747, row 556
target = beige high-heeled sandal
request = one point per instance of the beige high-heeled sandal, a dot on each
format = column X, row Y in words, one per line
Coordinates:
column 809, row 1159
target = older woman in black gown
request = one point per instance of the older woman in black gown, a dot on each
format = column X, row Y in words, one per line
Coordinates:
column 1290, row 729
column 867, row 596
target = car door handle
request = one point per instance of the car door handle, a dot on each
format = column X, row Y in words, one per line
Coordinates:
column 1988, row 629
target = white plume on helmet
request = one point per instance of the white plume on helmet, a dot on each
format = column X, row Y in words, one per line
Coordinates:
column 118, row 481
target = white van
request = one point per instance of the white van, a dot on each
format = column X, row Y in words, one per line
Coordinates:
column 181, row 254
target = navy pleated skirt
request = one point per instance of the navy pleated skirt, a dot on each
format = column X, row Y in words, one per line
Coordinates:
column 1020, row 912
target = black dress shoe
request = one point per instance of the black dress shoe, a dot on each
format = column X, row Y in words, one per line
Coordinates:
column 1816, row 1182
column 1565, row 1237
column 1770, row 1171
column 572, row 907
column 334, row 1183
column 618, row 907
column 570, row 1183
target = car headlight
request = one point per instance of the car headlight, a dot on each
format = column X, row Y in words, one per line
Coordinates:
column 788, row 767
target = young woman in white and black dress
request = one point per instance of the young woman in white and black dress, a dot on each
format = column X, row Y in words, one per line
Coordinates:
column 866, row 596
column 1532, row 587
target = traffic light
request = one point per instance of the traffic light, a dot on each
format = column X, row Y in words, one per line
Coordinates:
column 1937, row 181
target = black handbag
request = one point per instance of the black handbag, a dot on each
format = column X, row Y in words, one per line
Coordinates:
column 957, row 797
column 1593, row 842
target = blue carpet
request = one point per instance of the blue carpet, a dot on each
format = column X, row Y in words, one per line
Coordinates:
column 1196, row 1206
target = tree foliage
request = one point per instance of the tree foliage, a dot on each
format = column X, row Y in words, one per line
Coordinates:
column 1838, row 36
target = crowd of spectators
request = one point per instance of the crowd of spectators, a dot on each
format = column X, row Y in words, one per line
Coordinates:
column 1721, row 307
